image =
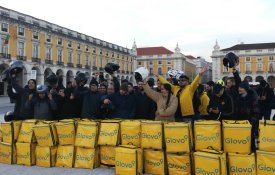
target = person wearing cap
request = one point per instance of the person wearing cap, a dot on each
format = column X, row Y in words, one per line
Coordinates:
column 221, row 105
column 124, row 104
column 184, row 92
column 42, row 103
column 265, row 96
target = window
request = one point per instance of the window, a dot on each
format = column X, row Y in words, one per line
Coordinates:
column 139, row 63
column 247, row 51
column 48, row 53
column 35, row 50
column 259, row 59
column 248, row 67
column 271, row 58
column 113, row 54
column 169, row 62
column 122, row 65
column 259, row 50
column 69, row 43
column 94, row 50
column 59, row 41
column 127, row 66
column 259, row 66
column 69, row 56
column 101, row 61
column 4, row 27
column 21, row 48
column 35, row 35
column 100, row 52
column 94, row 60
column 21, row 31
column 78, row 58
column 87, row 60
column 151, row 62
column 48, row 38
column 159, row 71
column 117, row 55
column 59, row 55
column 87, row 49
column 247, row 59
column 151, row 71
column 270, row 50
column 159, row 62
column 107, row 53
column 78, row 46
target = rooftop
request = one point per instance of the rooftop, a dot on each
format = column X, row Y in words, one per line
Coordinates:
column 250, row 46
column 153, row 51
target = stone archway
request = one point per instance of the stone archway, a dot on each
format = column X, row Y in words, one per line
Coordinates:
column 69, row 76
column 47, row 72
column 38, row 75
column 131, row 80
column 248, row 79
column 127, row 78
column 122, row 78
column 271, row 81
column 259, row 78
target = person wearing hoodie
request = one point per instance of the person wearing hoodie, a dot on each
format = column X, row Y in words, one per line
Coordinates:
column 42, row 104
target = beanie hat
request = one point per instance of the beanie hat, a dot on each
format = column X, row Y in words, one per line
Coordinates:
column 244, row 85
column 94, row 82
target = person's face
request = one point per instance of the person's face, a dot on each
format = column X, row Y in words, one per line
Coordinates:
column 241, row 91
column 69, row 85
column 207, row 88
column 140, row 86
column 229, row 84
column 183, row 82
column 122, row 92
column 31, row 84
column 42, row 95
column 130, row 88
column 159, row 84
column 163, row 91
column 110, row 89
column 220, row 93
column 93, row 87
column 102, row 89
column 74, row 84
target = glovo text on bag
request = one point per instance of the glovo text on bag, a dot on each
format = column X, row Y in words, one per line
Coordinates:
column 154, row 162
column 237, row 136
column 109, row 134
column 65, row 156
column 26, row 134
column 266, row 135
column 241, row 164
column 130, row 132
column 10, row 131
column 107, row 155
column 179, row 164
column 152, row 132
column 265, row 163
column 86, row 134
column 45, row 134
column 177, row 137
column 25, row 153
column 7, row 153
column 65, row 133
column 85, row 158
column 45, row 156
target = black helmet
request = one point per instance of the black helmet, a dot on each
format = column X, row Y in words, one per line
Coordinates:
column 111, row 68
column 16, row 67
column 42, row 89
column 6, row 75
column 230, row 60
column 52, row 80
column 81, row 78
column 9, row 116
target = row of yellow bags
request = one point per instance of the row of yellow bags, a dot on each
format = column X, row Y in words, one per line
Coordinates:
column 233, row 136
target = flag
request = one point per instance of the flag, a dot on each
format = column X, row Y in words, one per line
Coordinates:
column 7, row 39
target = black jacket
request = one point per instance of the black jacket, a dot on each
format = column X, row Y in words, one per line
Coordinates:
column 91, row 105
column 269, row 94
column 145, row 106
column 70, row 108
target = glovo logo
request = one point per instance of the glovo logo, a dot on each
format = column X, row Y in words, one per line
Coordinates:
column 151, row 136
column 85, row 158
column 46, row 137
column 131, row 137
column 23, row 132
column 266, row 168
column 45, row 157
column 65, row 157
column 5, row 155
column 237, row 141
column 106, row 157
column 268, row 139
column 206, row 172
column 154, row 163
column 177, row 140
column 23, row 156
column 179, row 167
column 126, row 165
column 211, row 138
column 108, row 134
column 85, row 136
column 66, row 136
column 235, row 169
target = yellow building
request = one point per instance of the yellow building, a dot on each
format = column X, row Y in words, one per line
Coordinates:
column 46, row 47
column 256, row 62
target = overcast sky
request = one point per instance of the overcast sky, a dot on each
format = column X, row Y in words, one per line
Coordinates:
column 194, row 24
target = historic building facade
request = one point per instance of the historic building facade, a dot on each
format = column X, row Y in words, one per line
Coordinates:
column 46, row 47
column 256, row 62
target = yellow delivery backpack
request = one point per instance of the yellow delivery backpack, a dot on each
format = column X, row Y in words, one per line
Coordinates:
column 207, row 133
column 177, row 137
column 154, row 162
column 107, row 156
column 87, row 134
column 10, row 131
column 267, row 135
column 237, row 136
column 26, row 134
column 265, row 163
column 65, row 156
column 128, row 160
column 152, row 134
column 210, row 162
column 86, row 158
column 1, row 135
column 179, row 164
column 7, row 153
column 109, row 133
column 25, row 153
column 241, row 164
column 45, row 156
column 130, row 132
column 45, row 133
column 65, row 132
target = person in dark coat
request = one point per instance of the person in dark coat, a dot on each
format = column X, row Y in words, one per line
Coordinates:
column 124, row 104
column 209, row 88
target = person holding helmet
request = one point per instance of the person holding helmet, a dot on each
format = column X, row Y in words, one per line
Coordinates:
column 184, row 92
column 42, row 103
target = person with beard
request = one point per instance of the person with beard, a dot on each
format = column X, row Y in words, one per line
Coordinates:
column 20, row 111
column 265, row 96
column 145, row 106
column 102, row 89
column 184, row 92
column 131, row 90
column 209, row 88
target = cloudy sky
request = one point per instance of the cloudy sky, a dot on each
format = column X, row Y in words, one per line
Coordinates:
column 194, row 24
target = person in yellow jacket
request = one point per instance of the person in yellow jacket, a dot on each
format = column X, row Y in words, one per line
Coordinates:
column 184, row 92
column 204, row 102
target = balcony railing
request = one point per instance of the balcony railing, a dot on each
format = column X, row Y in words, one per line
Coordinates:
column 248, row 72
column 79, row 65
column 101, row 68
column 87, row 67
column 5, row 56
column 70, row 64
column 259, row 71
column 127, row 72
column 60, row 63
column 47, row 61
column 94, row 68
column 123, row 71
column 19, row 57
column 36, row 60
